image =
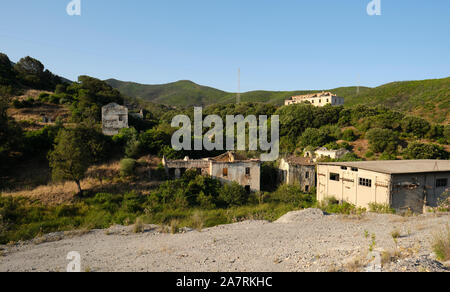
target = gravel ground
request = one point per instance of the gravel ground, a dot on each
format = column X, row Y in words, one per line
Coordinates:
column 299, row 241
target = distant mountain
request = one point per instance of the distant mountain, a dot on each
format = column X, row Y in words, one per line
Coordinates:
column 187, row 93
column 427, row 98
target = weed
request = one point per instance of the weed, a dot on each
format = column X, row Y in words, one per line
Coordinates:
column 138, row 226
column 441, row 245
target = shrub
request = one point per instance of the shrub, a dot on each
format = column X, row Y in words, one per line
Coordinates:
column 369, row 154
column 138, row 226
column 293, row 194
column 418, row 150
column 349, row 135
column 417, row 126
column 441, row 245
column 382, row 140
column 381, row 208
column 127, row 167
column 314, row 137
column 233, row 194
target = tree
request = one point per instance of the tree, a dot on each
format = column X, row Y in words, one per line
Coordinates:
column 7, row 76
column 418, row 150
column 75, row 150
column 232, row 194
column 382, row 140
column 10, row 132
column 417, row 126
column 31, row 72
column 315, row 137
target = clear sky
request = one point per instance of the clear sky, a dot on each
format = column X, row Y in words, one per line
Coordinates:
column 278, row 44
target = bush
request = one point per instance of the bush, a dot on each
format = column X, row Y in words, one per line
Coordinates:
column 369, row 154
column 418, row 150
column 382, row 140
column 127, row 167
column 233, row 194
column 441, row 245
column 293, row 194
column 381, row 208
column 349, row 135
column 417, row 126
column 315, row 137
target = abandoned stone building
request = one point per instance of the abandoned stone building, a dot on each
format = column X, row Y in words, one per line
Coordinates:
column 114, row 118
column 316, row 99
column 323, row 152
column 402, row 185
column 228, row 167
column 297, row 170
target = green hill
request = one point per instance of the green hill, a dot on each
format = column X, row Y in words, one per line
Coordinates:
column 427, row 98
column 186, row 93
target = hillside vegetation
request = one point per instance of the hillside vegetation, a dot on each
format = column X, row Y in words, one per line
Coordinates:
column 187, row 93
column 429, row 99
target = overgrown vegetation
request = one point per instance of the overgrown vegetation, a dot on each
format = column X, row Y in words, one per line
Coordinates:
column 441, row 244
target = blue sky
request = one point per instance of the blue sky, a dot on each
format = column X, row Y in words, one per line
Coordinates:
column 278, row 44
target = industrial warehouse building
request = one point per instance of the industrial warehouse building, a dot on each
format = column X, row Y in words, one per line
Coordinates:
column 403, row 185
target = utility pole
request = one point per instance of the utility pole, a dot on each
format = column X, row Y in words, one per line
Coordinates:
column 357, row 88
column 238, row 97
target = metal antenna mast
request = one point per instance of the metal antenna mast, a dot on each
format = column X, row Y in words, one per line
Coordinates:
column 238, row 97
column 357, row 89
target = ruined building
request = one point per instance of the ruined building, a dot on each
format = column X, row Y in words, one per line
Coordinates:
column 323, row 152
column 114, row 118
column 297, row 170
column 228, row 167
column 316, row 99
column 401, row 184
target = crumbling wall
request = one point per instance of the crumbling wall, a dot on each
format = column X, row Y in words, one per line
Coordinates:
column 247, row 174
column 114, row 118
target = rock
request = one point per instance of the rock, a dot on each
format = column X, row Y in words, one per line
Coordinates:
column 300, row 216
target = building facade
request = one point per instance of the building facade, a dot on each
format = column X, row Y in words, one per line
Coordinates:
column 402, row 185
column 317, row 99
column 228, row 167
column 297, row 170
column 114, row 118
column 324, row 152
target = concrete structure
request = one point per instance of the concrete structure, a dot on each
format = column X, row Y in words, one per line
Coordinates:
column 324, row 152
column 227, row 167
column 114, row 118
column 317, row 99
column 402, row 185
column 297, row 170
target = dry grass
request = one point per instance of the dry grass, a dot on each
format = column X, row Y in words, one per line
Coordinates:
column 198, row 221
column 357, row 264
column 441, row 244
column 103, row 178
column 138, row 226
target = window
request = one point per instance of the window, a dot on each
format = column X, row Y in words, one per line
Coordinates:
column 365, row 182
column 442, row 182
column 354, row 169
column 307, row 174
column 306, row 188
column 334, row 176
column 247, row 171
column 225, row 172
column 344, row 167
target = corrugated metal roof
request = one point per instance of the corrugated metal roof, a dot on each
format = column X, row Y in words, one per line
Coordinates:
column 398, row 166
